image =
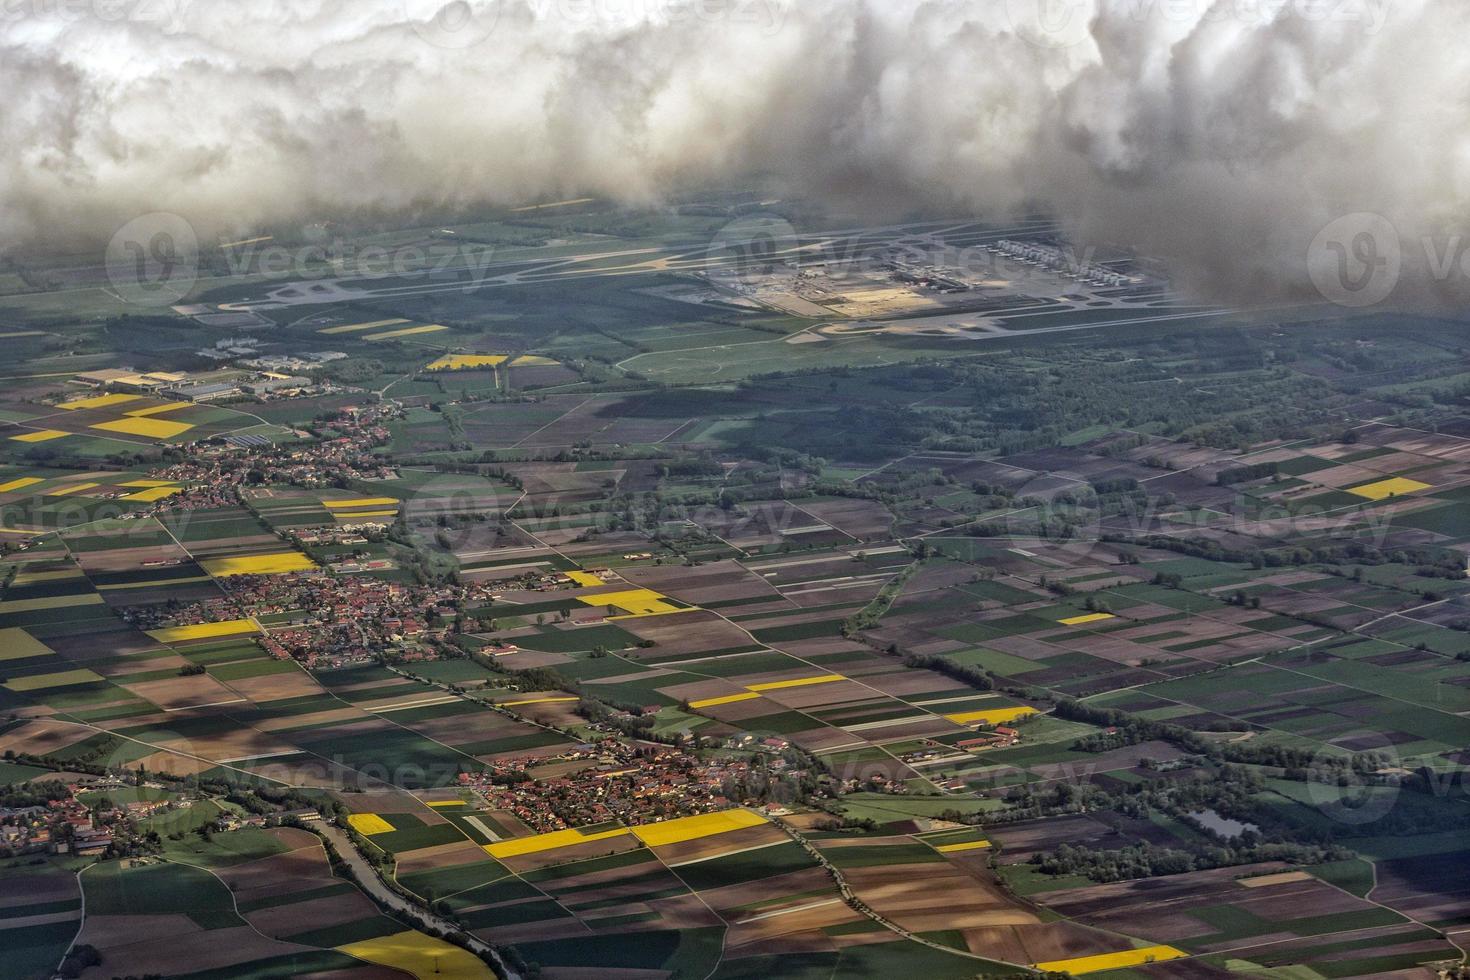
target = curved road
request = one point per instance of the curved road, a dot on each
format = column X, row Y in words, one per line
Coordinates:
column 367, row 877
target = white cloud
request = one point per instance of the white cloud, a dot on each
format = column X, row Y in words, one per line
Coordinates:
column 1220, row 134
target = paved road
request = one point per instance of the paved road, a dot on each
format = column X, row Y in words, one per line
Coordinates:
column 367, row 877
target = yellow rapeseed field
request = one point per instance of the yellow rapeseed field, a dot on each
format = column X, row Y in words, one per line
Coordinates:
column 692, row 828
column 98, row 401
column 424, row 957
column 512, row 704
column 354, row 327
column 992, row 716
column 797, row 682
column 361, row 502
column 727, row 699
column 406, row 332
column 969, row 845
column 20, row 484
column 466, row 362
column 153, row 493
column 654, row 834
column 368, row 824
column 71, row 488
column 200, row 631
column 40, row 435
column 1113, row 961
column 633, row 602
column 548, row 842
column 1280, row 878
column 277, row 563
column 1088, row 618
column 152, row 428
column 584, row 579
column 157, row 409
column 1383, row 489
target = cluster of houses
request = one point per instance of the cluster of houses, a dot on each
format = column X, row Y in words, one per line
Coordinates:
column 338, row 621
column 68, row 826
column 348, row 455
column 999, row 737
column 209, row 387
column 214, row 472
column 26, row 830
column 214, row 609
column 612, row 780
column 746, row 742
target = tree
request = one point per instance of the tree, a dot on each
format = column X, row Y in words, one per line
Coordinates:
column 81, row 957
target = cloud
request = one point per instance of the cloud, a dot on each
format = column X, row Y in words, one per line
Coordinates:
column 1221, row 135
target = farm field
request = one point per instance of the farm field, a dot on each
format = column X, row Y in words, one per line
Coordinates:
column 581, row 608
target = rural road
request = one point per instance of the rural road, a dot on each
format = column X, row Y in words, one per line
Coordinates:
column 858, row 905
column 367, row 877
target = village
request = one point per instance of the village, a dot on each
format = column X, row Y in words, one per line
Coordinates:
column 92, row 815
column 621, row 780
column 214, row 470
